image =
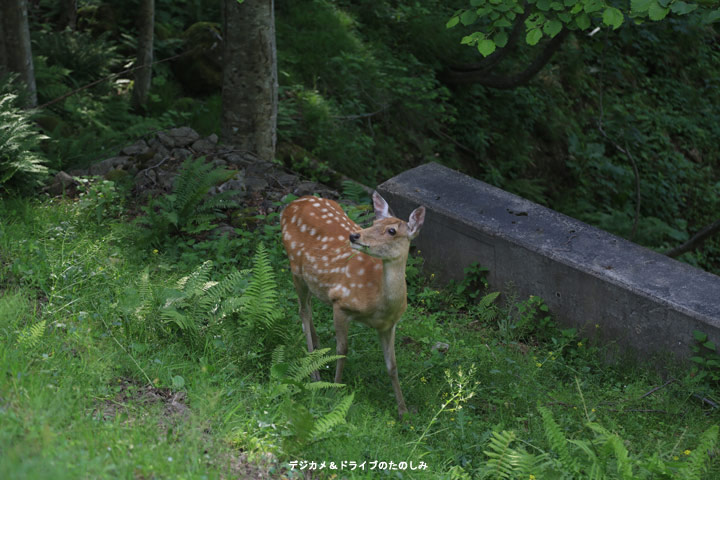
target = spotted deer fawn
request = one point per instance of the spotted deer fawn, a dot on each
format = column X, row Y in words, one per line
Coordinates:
column 359, row 272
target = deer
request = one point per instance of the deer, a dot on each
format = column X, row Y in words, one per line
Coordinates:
column 359, row 272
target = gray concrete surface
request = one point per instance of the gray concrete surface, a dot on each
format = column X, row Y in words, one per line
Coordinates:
column 640, row 299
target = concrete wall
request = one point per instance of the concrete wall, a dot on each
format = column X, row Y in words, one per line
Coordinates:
column 639, row 298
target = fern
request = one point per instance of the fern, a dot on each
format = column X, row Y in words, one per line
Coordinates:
column 335, row 417
column 612, row 445
column 698, row 458
column 30, row 337
column 188, row 208
column 20, row 165
column 558, row 442
column 503, row 459
column 259, row 303
column 354, row 192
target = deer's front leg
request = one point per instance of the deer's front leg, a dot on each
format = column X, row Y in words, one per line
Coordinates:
column 387, row 341
column 305, row 301
column 341, row 322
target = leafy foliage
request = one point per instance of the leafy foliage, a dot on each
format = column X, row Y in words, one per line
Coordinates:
column 188, row 208
column 548, row 17
column 21, row 165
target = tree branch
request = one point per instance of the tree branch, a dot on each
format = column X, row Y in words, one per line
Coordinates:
column 494, row 59
column 695, row 241
column 507, row 82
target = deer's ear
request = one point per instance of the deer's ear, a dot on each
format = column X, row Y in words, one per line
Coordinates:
column 417, row 218
column 382, row 209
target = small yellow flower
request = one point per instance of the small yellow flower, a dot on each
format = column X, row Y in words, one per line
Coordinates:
column 538, row 364
column 452, row 418
column 675, row 458
column 597, row 326
column 423, row 380
column 532, row 477
column 592, row 410
column 155, row 251
column 575, row 408
column 687, row 452
column 580, row 344
column 412, row 427
column 432, row 276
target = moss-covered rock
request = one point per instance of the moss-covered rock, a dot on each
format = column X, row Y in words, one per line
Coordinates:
column 200, row 70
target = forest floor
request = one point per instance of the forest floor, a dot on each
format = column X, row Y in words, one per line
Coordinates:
column 113, row 370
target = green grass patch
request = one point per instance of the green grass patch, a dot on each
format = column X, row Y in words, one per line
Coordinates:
column 120, row 361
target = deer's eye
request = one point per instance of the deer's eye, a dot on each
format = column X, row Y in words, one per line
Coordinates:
column 391, row 231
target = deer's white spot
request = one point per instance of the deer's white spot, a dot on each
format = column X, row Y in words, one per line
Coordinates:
column 303, row 228
column 316, row 204
column 292, row 245
column 294, row 218
column 361, row 271
column 341, row 238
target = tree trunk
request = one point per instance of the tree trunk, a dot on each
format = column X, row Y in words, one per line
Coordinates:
column 17, row 46
column 68, row 15
column 3, row 55
column 249, row 90
column 143, row 73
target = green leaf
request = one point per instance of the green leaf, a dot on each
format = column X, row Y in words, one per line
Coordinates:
column 583, row 21
column 682, row 8
column 486, row 47
column 500, row 39
column 709, row 345
column 533, row 36
column 699, row 336
column 711, row 17
column 452, row 22
column 640, row 6
column 656, row 12
column 468, row 17
column 613, row 17
column 543, row 5
column 552, row 28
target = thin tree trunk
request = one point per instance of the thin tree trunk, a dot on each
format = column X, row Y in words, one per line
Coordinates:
column 143, row 75
column 18, row 51
column 249, row 90
column 3, row 54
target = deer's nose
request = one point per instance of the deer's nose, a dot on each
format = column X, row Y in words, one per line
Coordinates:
column 354, row 237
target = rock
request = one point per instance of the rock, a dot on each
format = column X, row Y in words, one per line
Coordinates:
column 225, row 230
column 236, row 184
column 181, row 153
column 165, row 140
column 140, row 147
column 440, row 347
column 255, row 183
column 307, row 188
column 105, row 166
column 206, row 145
column 183, row 136
column 236, row 158
column 219, row 163
column 286, row 180
column 62, row 184
column 200, row 69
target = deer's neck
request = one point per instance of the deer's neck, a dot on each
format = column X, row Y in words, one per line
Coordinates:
column 394, row 288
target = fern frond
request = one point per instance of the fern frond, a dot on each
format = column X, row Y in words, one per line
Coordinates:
column 333, row 418
column 302, row 368
column 558, row 442
column 30, row 337
column 260, row 298
column 502, row 458
column 197, row 279
column 698, row 457
column 614, row 443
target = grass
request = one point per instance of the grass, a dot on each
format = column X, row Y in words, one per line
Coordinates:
column 96, row 384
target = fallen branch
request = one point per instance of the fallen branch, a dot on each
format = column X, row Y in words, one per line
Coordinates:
column 695, row 241
column 111, row 76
